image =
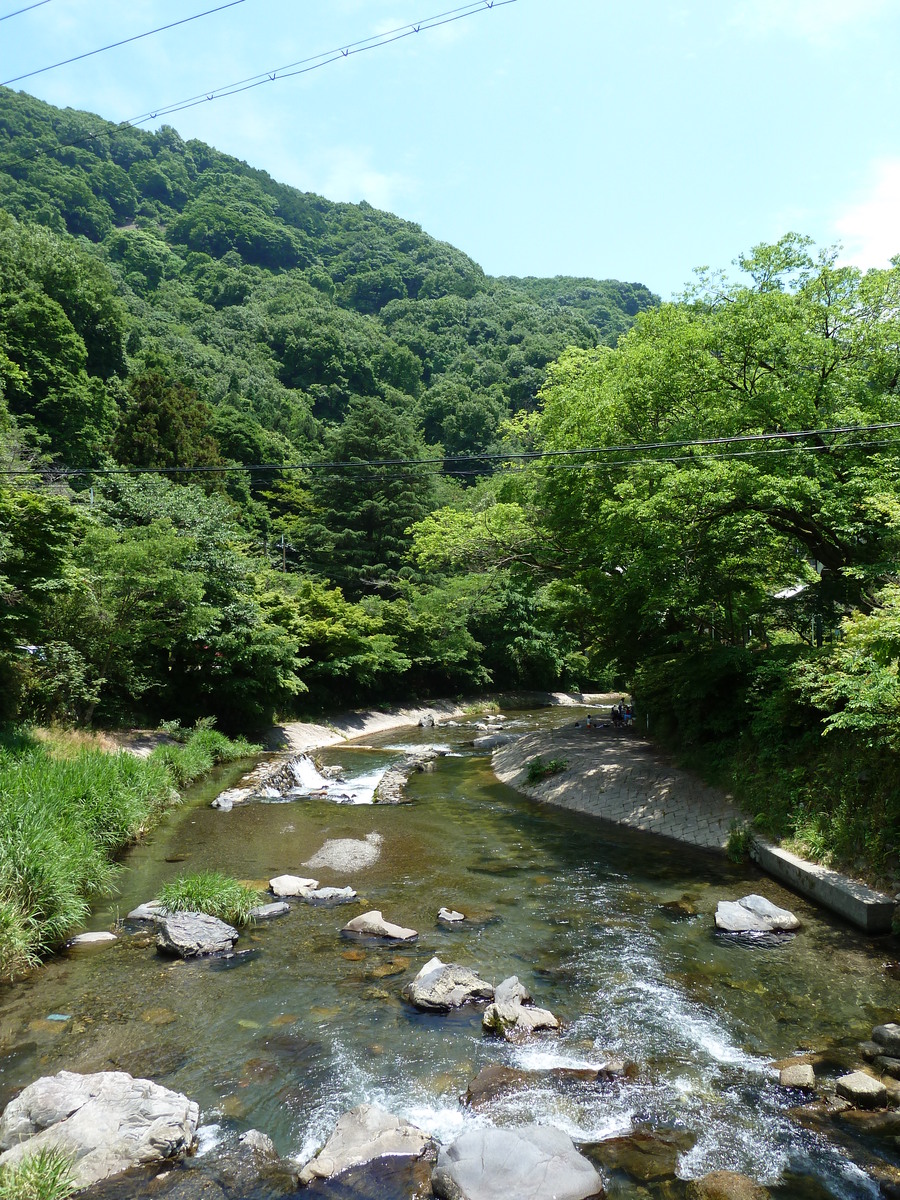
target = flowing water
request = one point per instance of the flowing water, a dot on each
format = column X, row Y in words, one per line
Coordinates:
column 306, row 1024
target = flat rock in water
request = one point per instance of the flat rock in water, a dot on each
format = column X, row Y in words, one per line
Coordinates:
column 330, row 895
column 491, row 741
column 361, row 1135
column 292, row 885
column 108, row 1122
column 754, row 914
column 373, row 924
column 535, row 1162
column 265, row 912
column 797, row 1075
column 190, row 935
column 496, row 1080
column 862, row 1090
column 726, row 1185
column 645, row 1156
column 888, row 1037
column 99, row 938
column 450, row 915
column 347, row 854
column 153, row 910
column 439, row 986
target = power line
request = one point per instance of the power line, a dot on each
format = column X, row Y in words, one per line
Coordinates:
column 315, row 61
column 368, row 468
column 114, row 45
column 27, row 8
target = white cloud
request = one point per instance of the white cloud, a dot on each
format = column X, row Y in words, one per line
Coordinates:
column 869, row 227
column 348, row 173
column 818, row 21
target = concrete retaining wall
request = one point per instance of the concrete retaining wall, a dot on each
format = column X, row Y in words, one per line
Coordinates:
column 866, row 908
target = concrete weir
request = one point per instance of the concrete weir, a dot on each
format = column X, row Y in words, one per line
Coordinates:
column 870, row 910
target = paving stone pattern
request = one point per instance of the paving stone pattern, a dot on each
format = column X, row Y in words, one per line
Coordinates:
column 618, row 776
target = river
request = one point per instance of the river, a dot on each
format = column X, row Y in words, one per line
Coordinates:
column 302, row 1024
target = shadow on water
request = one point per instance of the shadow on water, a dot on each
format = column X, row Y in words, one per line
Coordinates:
column 610, row 929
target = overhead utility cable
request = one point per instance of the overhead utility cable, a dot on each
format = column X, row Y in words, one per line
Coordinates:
column 369, row 468
column 315, row 61
column 27, row 8
column 124, row 42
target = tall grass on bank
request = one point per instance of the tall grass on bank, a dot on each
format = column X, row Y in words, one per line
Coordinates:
column 63, row 820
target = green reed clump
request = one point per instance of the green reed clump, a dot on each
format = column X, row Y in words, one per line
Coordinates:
column 203, row 749
column 538, row 770
column 44, row 1175
column 64, row 819
column 213, row 893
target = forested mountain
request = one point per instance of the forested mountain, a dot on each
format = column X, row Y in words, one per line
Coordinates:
column 265, row 393
column 163, row 305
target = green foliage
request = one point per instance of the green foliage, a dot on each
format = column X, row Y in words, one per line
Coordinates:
column 538, row 770
column 64, row 819
column 737, row 847
column 212, row 893
column 46, row 1174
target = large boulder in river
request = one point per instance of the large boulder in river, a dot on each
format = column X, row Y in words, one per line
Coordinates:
column 372, row 924
column 888, row 1037
column 535, row 1162
column 292, row 885
column 439, row 986
column 106, row 1123
column 192, row 934
column 363, row 1134
column 754, row 914
column 513, row 1016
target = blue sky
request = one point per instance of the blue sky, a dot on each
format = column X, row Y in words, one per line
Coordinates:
column 632, row 139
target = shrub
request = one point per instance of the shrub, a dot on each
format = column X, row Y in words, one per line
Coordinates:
column 737, row 848
column 538, row 770
column 44, row 1175
column 212, row 893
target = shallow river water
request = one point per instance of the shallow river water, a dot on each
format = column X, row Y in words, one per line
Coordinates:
column 309, row 1024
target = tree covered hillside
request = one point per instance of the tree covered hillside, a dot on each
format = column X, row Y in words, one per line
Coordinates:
column 164, row 306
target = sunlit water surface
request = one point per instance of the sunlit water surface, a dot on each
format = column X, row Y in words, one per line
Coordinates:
column 308, row 1024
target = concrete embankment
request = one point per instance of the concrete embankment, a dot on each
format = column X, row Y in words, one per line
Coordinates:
column 617, row 776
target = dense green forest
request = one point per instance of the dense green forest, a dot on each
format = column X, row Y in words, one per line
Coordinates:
column 282, row 411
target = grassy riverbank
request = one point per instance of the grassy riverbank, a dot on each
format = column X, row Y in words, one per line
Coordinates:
column 66, row 811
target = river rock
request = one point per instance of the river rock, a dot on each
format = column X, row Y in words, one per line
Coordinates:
column 265, row 912
column 100, row 938
column 152, row 910
column 438, row 987
column 726, row 1185
column 373, row 924
column 496, row 1080
column 512, row 1015
column 797, row 1075
column 754, row 914
column 330, row 895
column 347, row 854
column 888, row 1036
column 363, row 1134
column 107, row 1122
column 490, row 741
column 190, row 935
column 862, row 1090
column 450, row 915
column 645, row 1156
column 536, row 1162
column 888, row 1066
column 291, row 885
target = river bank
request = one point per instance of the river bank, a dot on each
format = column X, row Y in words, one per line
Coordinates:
column 616, row 775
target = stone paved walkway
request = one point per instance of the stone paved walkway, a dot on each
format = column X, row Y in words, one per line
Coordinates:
column 620, row 777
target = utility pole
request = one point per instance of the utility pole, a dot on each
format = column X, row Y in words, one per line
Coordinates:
column 283, row 556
